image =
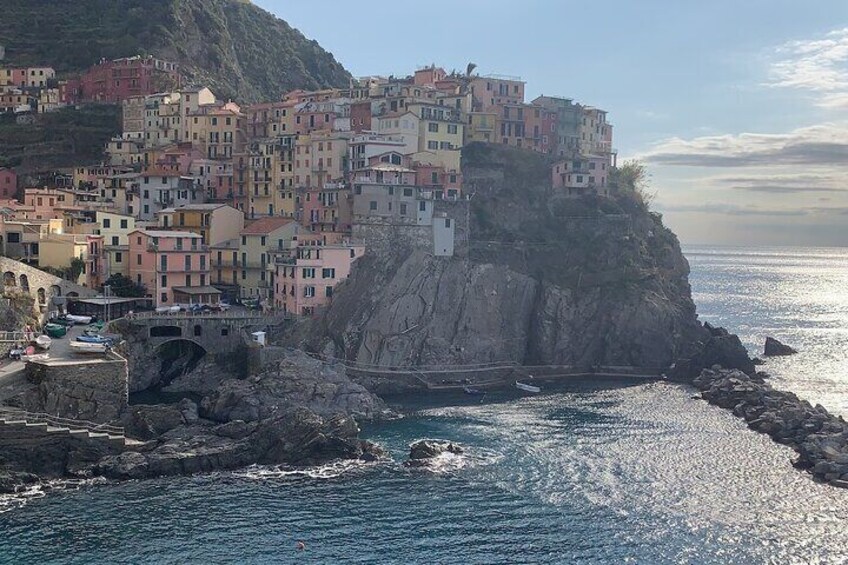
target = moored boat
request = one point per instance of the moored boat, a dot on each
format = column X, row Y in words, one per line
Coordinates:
column 55, row 330
column 78, row 319
column 43, row 342
column 472, row 391
column 94, row 338
column 527, row 388
column 83, row 347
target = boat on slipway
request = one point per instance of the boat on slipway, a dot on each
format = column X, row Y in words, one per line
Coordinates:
column 43, row 342
column 527, row 388
column 86, row 347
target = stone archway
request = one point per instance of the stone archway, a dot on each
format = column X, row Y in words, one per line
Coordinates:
column 42, row 296
column 24, row 282
column 9, row 279
column 56, row 290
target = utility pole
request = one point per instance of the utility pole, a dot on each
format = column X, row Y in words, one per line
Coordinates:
column 106, row 290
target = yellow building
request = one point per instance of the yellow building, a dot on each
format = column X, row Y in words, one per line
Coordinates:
column 285, row 193
column 257, row 242
column 214, row 223
column 481, row 127
column 441, row 132
column 115, row 228
column 218, row 130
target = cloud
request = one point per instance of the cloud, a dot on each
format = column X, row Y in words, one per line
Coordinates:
column 825, row 144
column 725, row 209
column 785, row 184
column 818, row 65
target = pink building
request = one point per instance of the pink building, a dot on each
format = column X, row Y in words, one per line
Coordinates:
column 50, row 203
column 305, row 280
column 173, row 266
column 540, row 129
column 8, row 183
column 582, row 175
column 434, row 177
column 114, row 81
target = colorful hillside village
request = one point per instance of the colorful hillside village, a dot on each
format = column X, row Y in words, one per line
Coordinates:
column 201, row 198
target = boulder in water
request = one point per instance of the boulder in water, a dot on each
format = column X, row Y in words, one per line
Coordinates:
column 423, row 450
column 774, row 348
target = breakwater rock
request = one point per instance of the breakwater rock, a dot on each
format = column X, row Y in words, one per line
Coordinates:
column 819, row 437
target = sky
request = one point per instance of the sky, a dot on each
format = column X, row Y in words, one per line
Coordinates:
column 738, row 108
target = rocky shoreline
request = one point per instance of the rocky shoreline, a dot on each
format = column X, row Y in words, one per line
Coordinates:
column 295, row 411
column 819, row 437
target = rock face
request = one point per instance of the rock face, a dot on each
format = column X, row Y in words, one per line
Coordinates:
column 543, row 280
column 774, row 348
column 422, row 451
column 296, row 380
column 820, row 438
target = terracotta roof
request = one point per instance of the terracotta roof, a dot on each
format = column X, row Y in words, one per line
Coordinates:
column 264, row 226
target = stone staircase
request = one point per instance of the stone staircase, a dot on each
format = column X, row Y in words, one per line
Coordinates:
column 49, row 424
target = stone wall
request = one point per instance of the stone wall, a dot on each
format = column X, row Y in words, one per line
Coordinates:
column 43, row 287
column 96, row 390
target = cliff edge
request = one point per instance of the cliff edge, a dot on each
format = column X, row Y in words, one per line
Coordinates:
column 540, row 279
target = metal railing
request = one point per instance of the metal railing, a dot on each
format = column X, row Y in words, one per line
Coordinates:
column 43, row 418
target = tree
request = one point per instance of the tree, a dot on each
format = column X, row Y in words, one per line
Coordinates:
column 632, row 180
column 124, row 287
column 76, row 269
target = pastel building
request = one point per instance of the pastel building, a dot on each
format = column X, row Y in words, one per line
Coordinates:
column 115, row 229
column 160, row 189
column 257, row 241
column 113, row 81
column 8, row 183
column 582, row 175
column 214, row 223
column 57, row 250
column 173, row 266
column 305, row 279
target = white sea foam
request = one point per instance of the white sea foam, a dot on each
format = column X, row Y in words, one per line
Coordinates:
column 277, row 472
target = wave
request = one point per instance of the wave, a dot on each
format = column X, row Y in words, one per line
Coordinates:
column 276, row 472
column 27, row 493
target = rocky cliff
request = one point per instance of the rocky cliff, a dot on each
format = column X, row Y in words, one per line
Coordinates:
column 545, row 280
column 238, row 49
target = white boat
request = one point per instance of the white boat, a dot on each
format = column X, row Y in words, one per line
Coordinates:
column 84, row 347
column 527, row 388
column 43, row 342
column 79, row 319
column 36, row 357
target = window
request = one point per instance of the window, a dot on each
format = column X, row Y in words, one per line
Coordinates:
column 432, row 145
column 188, row 280
column 328, row 292
column 138, row 259
column 422, row 206
column 188, row 262
column 308, row 273
column 163, row 262
column 372, row 205
column 119, row 258
column 164, row 281
column 203, row 262
column 328, row 273
column 107, row 223
column 308, row 291
column 447, row 222
column 164, row 297
column 403, row 209
column 452, row 128
column 114, row 240
column 579, row 178
column 262, row 241
column 433, row 127
column 407, row 192
column 13, row 237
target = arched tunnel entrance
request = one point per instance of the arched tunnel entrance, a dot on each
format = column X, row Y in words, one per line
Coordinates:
column 175, row 358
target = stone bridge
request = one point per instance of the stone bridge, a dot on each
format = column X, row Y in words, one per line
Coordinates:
column 46, row 290
column 215, row 333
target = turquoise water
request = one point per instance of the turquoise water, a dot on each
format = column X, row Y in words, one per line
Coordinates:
column 585, row 473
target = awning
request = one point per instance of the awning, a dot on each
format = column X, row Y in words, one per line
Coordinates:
column 196, row 290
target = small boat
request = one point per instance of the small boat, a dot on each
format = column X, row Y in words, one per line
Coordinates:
column 43, row 342
column 55, row 330
column 83, row 347
column 472, row 391
column 94, row 338
column 36, row 357
column 78, row 319
column 527, row 388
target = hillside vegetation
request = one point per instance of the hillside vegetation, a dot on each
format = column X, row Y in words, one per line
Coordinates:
column 241, row 51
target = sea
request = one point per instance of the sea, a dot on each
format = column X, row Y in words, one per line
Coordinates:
column 611, row 472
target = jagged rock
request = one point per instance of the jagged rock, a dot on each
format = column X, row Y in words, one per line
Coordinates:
column 423, row 450
column 294, row 380
column 147, row 421
column 774, row 348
